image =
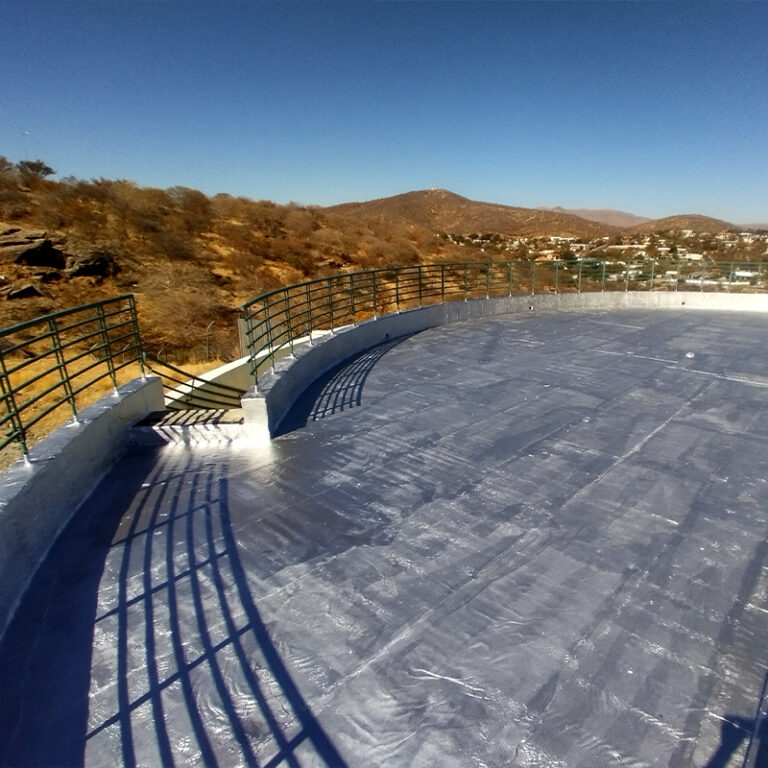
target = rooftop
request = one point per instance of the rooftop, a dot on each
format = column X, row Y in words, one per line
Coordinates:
column 527, row 539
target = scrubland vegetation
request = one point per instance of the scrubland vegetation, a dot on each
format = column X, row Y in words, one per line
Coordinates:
column 190, row 259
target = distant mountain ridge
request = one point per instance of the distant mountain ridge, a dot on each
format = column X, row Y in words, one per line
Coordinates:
column 692, row 221
column 445, row 211
column 620, row 219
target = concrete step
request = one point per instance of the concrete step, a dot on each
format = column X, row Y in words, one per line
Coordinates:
column 189, row 427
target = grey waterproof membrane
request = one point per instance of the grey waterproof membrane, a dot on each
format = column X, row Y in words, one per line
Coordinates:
column 531, row 540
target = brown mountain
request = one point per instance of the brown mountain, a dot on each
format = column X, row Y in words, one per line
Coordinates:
column 691, row 221
column 444, row 211
column 620, row 219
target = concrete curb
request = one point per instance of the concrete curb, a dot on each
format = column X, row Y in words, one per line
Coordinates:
column 38, row 498
column 266, row 406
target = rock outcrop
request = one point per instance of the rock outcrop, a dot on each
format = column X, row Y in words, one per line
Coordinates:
column 33, row 257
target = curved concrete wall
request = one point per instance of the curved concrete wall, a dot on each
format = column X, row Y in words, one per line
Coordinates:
column 38, row 497
column 265, row 407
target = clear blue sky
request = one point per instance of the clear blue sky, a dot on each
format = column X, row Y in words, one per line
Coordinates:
column 654, row 108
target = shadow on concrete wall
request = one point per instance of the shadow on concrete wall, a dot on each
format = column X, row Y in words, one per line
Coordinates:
column 140, row 642
column 339, row 389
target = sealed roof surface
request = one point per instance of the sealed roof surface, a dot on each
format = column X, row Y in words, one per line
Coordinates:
column 527, row 540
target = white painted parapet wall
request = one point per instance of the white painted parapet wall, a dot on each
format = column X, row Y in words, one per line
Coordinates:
column 38, row 497
column 266, row 406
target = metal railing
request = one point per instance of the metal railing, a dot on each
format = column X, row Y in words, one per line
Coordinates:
column 48, row 363
column 185, row 391
column 275, row 321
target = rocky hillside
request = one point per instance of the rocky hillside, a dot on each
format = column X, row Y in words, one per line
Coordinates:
column 191, row 260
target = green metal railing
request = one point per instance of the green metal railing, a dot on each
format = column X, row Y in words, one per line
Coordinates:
column 48, row 363
column 185, row 391
column 275, row 321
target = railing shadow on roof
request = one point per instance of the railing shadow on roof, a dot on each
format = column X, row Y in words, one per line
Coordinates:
column 171, row 653
column 337, row 390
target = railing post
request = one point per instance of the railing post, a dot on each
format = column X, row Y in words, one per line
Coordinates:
column 533, row 277
column 352, row 297
column 308, row 300
column 140, row 354
column 510, row 277
column 602, row 285
column 288, row 322
column 330, row 301
column 581, row 263
column 557, row 270
column 13, row 409
column 626, row 278
column 107, row 345
column 730, row 276
column 373, row 292
column 397, row 289
column 653, row 269
column 442, row 283
column 466, row 283
column 488, row 280
column 270, row 346
column 249, row 327
column 62, row 366
column 421, row 287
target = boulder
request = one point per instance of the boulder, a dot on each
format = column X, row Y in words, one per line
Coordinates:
column 19, row 236
column 36, row 253
column 96, row 264
column 48, row 276
column 23, row 291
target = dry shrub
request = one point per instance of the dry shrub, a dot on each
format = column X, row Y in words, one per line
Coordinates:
column 194, row 208
column 300, row 222
column 266, row 217
column 295, row 253
column 176, row 246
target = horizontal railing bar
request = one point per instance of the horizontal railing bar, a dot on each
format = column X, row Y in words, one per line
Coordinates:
column 198, row 396
column 40, row 395
column 232, row 398
column 193, row 377
column 63, row 313
column 40, row 416
column 38, row 376
column 50, row 334
column 64, row 329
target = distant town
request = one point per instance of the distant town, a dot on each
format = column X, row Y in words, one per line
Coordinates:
column 679, row 256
